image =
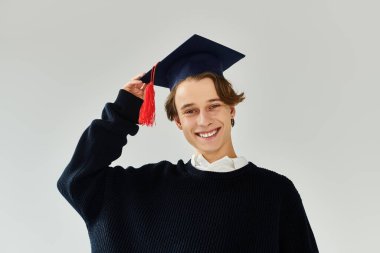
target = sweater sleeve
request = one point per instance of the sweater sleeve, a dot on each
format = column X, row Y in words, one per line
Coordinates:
column 84, row 180
column 296, row 234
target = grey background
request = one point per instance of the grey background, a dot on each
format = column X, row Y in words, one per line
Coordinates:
column 312, row 110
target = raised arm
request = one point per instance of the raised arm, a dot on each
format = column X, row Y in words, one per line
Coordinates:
column 84, row 180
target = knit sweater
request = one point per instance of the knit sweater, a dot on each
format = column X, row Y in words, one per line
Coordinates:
column 168, row 208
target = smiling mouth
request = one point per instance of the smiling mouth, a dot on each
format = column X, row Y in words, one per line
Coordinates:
column 209, row 134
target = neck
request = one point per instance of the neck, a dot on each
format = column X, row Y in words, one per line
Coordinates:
column 212, row 157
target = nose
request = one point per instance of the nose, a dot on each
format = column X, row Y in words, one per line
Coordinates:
column 204, row 118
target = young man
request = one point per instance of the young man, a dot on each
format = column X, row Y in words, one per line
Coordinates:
column 203, row 107
column 215, row 202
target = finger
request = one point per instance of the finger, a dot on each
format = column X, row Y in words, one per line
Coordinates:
column 138, row 76
column 134, row 83
column 137, row 84
column 142, row 86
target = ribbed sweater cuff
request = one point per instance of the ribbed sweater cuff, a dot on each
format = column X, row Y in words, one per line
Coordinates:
column 129, row 105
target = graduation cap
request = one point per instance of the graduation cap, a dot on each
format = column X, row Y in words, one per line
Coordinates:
column 196, row 55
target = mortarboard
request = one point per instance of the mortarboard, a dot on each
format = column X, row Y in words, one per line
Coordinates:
column 196, row 55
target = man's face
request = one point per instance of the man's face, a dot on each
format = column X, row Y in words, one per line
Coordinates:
column 200, row 111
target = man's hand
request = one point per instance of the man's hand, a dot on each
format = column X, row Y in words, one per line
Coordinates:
column 136, row 86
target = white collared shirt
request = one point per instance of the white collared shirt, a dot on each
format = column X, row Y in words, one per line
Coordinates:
column 224, row 164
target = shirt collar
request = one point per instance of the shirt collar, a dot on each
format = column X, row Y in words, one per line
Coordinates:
column 223, row 164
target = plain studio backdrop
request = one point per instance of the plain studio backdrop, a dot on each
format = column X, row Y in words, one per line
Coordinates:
column 310, row 76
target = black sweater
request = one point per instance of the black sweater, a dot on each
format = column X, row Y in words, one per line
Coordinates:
column 166, row 207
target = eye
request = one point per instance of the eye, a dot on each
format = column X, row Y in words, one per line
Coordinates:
column 214, row 106
column 189, row 111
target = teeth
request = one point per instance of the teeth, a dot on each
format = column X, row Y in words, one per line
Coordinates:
column 208, row 134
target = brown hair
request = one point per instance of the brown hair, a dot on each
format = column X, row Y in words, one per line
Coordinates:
column 222, row 86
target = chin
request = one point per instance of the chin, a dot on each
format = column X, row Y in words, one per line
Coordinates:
column 209, row 149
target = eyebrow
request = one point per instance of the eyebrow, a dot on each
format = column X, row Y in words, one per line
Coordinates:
column 191, row 104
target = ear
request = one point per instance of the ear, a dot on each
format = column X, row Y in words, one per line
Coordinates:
column 232, row 111
column 178, row 122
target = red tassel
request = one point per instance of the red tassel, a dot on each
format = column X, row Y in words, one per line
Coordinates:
column 147, row 110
